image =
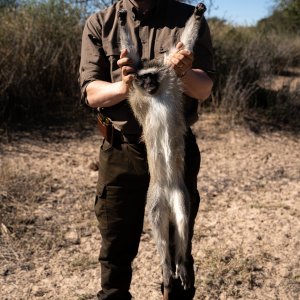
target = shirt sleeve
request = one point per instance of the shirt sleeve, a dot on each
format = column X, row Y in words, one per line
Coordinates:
column 94, row 64
column 203, row 51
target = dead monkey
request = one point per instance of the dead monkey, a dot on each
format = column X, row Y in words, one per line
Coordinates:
column 156, row 100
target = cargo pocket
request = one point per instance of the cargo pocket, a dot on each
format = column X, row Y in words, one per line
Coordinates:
column 164, row 42
column 112, row 207
column 100, row 209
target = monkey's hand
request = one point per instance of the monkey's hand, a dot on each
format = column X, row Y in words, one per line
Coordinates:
column 182, row 60
column 127, row 70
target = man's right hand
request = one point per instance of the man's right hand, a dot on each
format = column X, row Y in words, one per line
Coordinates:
column 105, row 94
column 127, row 70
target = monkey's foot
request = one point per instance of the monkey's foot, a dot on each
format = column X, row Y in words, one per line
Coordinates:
column 167, row 277
column 200, row 10
column 182, row 273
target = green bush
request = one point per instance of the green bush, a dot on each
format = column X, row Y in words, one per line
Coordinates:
column 284, row 19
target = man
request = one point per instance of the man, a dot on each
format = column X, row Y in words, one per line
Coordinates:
column 105, row 78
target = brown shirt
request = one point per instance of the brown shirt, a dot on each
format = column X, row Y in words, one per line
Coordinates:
column 152, row 37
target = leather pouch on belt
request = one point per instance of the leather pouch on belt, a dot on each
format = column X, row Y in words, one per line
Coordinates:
column 106, row 127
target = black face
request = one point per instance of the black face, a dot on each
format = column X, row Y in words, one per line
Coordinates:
column 149, row 82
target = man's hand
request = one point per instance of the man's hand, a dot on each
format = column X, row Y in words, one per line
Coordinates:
column 182, row 60
column 105, row 94
column 196, row 83
column 127, row 70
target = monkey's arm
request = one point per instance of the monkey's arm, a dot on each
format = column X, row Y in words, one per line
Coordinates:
column 197, row 84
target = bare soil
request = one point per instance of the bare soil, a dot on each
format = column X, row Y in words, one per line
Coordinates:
column 247, row 234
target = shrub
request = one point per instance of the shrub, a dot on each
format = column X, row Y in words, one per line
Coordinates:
column 39, row 50
column 40, row 53
column 244, row 57
column 285, row 17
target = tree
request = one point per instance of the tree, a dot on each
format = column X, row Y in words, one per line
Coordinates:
column 291, row 13
column 8, row 3
column 285, row 17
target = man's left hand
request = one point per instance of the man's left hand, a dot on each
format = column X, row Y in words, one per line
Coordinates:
column 182, row 60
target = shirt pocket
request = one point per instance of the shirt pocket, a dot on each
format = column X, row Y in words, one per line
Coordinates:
column 112, row 51
column 164, row 42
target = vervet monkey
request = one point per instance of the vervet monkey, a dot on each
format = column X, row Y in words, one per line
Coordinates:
column 156, row 100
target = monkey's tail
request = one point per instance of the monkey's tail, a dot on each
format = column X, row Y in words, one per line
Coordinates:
column 125, row 38
column 191, row 30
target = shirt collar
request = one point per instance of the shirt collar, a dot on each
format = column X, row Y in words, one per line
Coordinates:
column 156, row 12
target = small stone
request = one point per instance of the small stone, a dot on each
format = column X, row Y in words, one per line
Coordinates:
column 94, row 166
column 72, row 237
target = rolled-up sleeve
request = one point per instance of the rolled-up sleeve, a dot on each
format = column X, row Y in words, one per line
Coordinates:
column 94, row 64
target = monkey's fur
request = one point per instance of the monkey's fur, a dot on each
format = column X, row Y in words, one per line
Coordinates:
column 156, row 100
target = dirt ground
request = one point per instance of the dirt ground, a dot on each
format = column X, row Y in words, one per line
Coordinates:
column 247, row 235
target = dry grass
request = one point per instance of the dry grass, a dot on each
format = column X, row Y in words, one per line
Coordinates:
column 25, row 231
column 246, row 234
column 247, row 61
column 230, row 273
column 39, row 50
column 39, row 65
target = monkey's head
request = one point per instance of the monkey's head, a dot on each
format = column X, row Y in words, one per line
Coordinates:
column 150, row 76
column 148, row 80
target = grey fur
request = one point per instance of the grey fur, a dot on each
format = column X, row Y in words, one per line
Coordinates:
column 162, row 118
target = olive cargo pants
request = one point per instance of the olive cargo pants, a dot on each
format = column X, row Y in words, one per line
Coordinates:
column 120, row 203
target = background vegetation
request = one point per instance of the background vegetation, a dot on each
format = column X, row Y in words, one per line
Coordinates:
column 40, row 53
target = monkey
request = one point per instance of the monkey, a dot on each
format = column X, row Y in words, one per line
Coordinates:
column 157, row 103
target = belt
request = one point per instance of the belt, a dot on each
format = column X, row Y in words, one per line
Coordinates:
column 114, row 136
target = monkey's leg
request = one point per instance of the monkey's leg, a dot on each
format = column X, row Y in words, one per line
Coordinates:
column 181, row 202
column 159, row 218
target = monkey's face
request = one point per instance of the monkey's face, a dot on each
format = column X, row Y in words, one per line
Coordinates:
column 149, row 82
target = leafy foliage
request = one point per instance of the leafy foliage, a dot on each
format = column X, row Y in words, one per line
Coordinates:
column 285, row 18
